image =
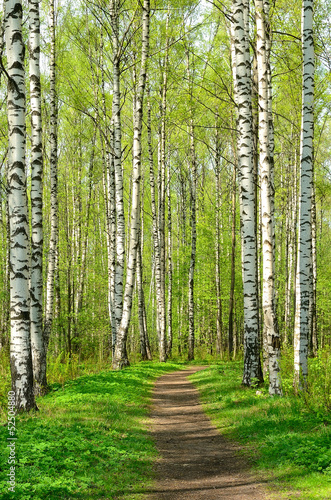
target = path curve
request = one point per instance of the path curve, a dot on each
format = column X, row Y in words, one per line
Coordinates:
column 196, row 461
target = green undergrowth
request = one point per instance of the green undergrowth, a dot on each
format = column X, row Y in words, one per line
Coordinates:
column 88, row 440
column 60, row 369
column 286, row 440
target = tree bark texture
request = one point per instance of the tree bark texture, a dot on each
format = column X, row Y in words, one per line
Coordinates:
column 36, row 282
column 19, row 258
column 160, row 302
column 267, row 197
column 120, row 219
column 120, row 359
column 218, row 245
column 51, row 270
column 252, row 364
column 193, row 185
column 304, row 260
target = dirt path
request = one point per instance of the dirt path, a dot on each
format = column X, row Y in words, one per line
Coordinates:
column 196, row 461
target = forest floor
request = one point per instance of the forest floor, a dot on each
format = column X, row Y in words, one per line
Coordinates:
column 91, row 438
column 196, row 461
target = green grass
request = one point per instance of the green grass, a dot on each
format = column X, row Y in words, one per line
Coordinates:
column 89, row 439
column 287, row 443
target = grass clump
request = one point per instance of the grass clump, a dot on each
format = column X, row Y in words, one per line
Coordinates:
column 287, row 440
column 88, row 440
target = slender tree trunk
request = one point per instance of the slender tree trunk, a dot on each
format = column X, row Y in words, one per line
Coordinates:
column 217, row 246
column 4, row 305
column 314, row 337
column 169, row 303
column 290, row 225
column 144, row 342
column 258, row 209
column 120, row 359
column 191, row 301
column 162, row 200
column 36, row 282
column 20, row 345
column 109, row 195
column 51, row 271
column 233, row 263
column 267, row 194
column 108, row 147
column 158, row 281
column 252, row 363
column 304, row 260
column 120, row 220
column 179, row 299
column 85, row 231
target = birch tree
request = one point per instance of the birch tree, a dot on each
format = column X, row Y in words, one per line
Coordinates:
column 36, row 283
column 170, row 266
column 117, row 46
column 191, row 301
column 217, row 244
column 20, row 345
column 107, row 141
column 252, row 364
column 120, row 359
column 51, row 270
column 267, row 195
column 156, row 244
column 304, row 258
column 162, row 200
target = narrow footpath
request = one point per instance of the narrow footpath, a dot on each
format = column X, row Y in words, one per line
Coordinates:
column 196, row 461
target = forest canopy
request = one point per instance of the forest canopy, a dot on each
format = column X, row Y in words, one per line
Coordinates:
column 165, row 183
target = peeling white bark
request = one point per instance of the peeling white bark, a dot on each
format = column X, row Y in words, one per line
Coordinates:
column 51, row 271
column 240, row 14
column 304, row 259
column 20, row 344
column 267, row 195
column 36, row 282
column 120, row 219
column 120, row 357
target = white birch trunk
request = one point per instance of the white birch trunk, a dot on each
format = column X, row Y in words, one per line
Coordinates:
column 120, row 359
column 36, row 283
column 20, row 344
column 289, row 267
column 160, row 320
column 252, row 364
column 314, row 337
column 162, row 199
column 191, row 302
column 217, row 244
column 193, row 165
column 112, row 247
column 51, row 271
column 169, row 302
column 120, row 220
column 304, row 259
column 267, row 194
column 110, row 205
column 233, row 263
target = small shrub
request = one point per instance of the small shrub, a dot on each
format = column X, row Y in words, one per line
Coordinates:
column 317, row 397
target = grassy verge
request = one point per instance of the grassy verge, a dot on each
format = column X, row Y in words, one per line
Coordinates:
column 287, row 442
column 88, row 441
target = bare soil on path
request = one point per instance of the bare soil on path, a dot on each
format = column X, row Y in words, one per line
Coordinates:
column 197, row 462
